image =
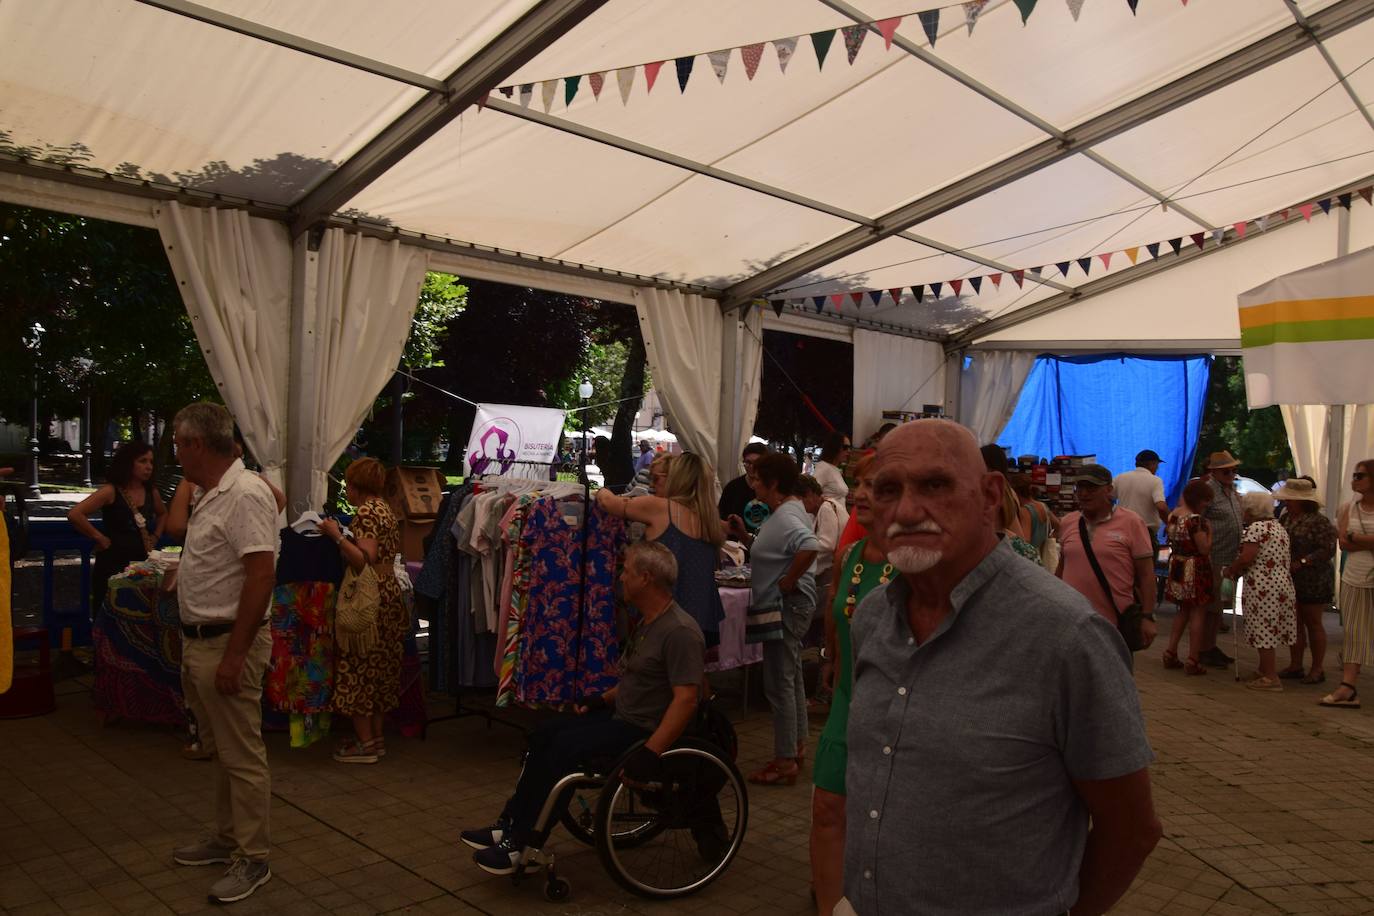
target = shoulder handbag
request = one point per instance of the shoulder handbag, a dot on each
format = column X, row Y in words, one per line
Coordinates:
column 356, row 611
column 1128, row 621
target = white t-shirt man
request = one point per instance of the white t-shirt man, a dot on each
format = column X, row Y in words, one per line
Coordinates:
column 1142, row 492
column 236, row 518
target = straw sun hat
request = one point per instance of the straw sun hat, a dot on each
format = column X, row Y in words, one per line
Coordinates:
column 1296, row 489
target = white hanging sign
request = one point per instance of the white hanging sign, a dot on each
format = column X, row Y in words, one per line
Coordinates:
column 513, row 441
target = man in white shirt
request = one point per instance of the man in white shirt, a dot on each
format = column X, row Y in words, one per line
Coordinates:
column 1142, row 492
column 224, row 589
column 828, row 520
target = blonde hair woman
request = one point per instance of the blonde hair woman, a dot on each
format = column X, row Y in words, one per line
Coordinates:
column 683, row 519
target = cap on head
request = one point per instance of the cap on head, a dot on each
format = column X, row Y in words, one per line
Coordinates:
column 1146, row 456
column 1094, row 475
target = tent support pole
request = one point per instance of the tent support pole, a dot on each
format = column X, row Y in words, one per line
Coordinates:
column 1335, row 439
column 300, row 409
column 730, row 366
column 954, row 376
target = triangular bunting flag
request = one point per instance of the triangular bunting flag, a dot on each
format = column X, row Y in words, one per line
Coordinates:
column 858, row 298
column 570, row 86
column 875, row 295
column 507, row 91
column 837, row 300
column 785, row 47
column 976, row 283
column 1367, row 194
column 972, row 10
column 548, row 89
column 720, row 62
column 1306, row 211
column 888, row 28
column 1283, row 216
column 526, row 94
column 1325, row 204
column 1107, row 260
column 1198, row 238
column 1086, row 265
column 625, row 76
column 1063, row 267
column 684, row 71
column 1036, row 271
column 955, row 285
column 1344, row 200
column 1025, row 6
column 1019, row 276
column 1218, row 235
column 751, row 55
column 1263, row 223
column 651, row 74
column 818, row 302
column 854, row 36
column 777, row 306
column 996, row 280
column 930, row 21
column 1132, row 4
column 1075, row 7
column 1176, row 245
column 1153, row 249
column 482, row 102
column 1133, row 253
column 1240, row 228
column 919, row 292
column 597, row 80
column 935, row 289
column 896, row 295
column 821, row 42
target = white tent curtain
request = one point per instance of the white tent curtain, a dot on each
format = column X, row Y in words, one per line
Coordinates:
column 234, row 272
column 682, row 338
column 989, row 389
column 893, row 373
column 751, row 377
column 1309, row 438
column 366, row 291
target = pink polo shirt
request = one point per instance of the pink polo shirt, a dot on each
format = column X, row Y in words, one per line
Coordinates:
column 1117, row 543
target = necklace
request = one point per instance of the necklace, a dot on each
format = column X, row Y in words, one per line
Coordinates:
column 856, row 579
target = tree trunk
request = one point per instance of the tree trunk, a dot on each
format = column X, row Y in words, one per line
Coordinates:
column 622, row 470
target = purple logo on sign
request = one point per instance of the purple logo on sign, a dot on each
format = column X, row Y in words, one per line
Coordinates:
column 497, row 447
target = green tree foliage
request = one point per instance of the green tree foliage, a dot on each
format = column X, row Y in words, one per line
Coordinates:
column 104, row 292
column 442, row 299
column 1256, row 437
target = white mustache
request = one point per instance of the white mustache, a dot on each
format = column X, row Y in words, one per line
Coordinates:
column 927, row 527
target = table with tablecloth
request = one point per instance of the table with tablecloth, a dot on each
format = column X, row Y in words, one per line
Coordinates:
column 733, row 652
column 137, row 637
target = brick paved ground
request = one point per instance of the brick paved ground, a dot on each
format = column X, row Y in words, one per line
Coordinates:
column 1267, row 801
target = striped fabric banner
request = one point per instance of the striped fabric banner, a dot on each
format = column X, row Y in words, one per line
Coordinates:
column 1308, row 337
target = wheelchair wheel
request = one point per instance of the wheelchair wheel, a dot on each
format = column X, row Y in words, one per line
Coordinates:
column 631, row 826
column 674, row 838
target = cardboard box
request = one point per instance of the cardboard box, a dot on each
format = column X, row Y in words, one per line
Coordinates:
column 413, row 534
column 415, row 492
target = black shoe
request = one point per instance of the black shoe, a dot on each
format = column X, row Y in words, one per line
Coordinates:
column 487, row 837
column 501, row 859
column 1215, row 658
column 1292, row 674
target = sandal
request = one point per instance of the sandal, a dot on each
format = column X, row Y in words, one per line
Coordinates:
column 1171, row 660
column 1265, row 683
column 357, row 752
column 380, row 745
column 1350, row 702
column 1191, row 667
column 1317, row 677
column 774, row 775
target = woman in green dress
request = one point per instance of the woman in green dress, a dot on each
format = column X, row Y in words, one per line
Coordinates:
column 859, row 569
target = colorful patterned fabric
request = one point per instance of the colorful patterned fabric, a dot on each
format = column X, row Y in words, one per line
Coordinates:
column 564, row 655
column 1312, row 536
column 138, row 654
column 301, row 677
column 1268, row 600
column 513, row 616
column 370, row 682
column 1190, row 572
column 1024, row 548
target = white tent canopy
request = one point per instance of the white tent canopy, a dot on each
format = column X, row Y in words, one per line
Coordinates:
column 1005, row 148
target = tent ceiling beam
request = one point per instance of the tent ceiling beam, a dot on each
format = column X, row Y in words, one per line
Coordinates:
column 296, row 43
column 1121, row 278
column 855, row 322
column 741, row 181
column 1253, row 58
column 1201, row 221
column 1086, row 347
column 929, row 57
column 498, row 59
column 1331, row 62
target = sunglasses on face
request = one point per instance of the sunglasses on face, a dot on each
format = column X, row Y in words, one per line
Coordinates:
column 1358, row 475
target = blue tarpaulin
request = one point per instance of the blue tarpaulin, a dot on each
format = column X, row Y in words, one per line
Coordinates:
column 1113, row 406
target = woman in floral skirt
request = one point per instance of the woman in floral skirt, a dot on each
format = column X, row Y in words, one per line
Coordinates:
column 1190, row 584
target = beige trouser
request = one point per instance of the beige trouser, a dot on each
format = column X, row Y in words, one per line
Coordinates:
column 231, row 728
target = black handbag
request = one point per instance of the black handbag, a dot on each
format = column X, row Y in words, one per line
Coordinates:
column 1128, row 621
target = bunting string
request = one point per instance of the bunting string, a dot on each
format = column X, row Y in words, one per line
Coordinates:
column 853, row 39
column 968, row 286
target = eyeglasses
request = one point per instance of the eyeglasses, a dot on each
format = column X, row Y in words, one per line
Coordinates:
column 1358, row 475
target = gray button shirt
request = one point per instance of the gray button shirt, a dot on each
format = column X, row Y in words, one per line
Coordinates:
column 962, row 750
column 1227, row 520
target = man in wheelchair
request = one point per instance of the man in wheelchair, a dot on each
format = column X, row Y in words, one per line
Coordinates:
column 655, row 701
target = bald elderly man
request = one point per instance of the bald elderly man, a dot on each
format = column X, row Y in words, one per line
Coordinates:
column 997, row 753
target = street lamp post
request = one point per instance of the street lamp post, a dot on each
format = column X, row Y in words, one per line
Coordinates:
column 33, row 342
column 86, row 365
column 584, row 391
